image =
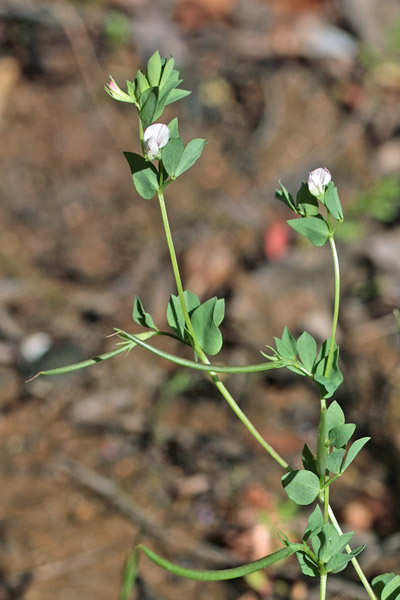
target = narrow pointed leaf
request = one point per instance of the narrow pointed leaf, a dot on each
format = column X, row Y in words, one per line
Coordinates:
column 332, row 202
column 307, row 350
column 177, row 94
column 284, row 196
column 353, row 451
column 167, row 70
column 154, row 69
column 191, row 153
column 140, row 316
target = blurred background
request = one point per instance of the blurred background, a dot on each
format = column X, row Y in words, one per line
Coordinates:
column 89, row 460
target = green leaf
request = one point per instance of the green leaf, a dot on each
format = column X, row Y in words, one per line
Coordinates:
column 144, row 175
column 334, row 460
column 131, row 85
column 172, row 154
column 307, row 204
column 314, row 524
column 379, row 582
column 175, row 316
column 334, row 415
column 284, row 196
column 141, row 83
column 149, row 108
column 332, row 202
column 313, row 228
column 307, row 350
column 340, row 561
column 353, row 451
column 154, row 69
column 223, row 574
column 190, row 154
column 286, row 346
column 301, row 486
column 327, row 541
column 173, row 128
column 308, row 460
column 330, row 384
column 140, row 316
column 307, row 565
column 340, row 435
column 176, row 95
column 205, row 320
column 166, row 72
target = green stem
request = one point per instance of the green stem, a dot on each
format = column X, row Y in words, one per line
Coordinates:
column 220, row 386
column 354, row 561
column 336, row 306
column 322, row 589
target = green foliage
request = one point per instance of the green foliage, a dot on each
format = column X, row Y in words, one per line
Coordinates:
column 205, row 318
column 140, row 316
column 313, row 228
column 177, row 158
column 156, row 88
column 327, row 552
column 307, row 204
column 301, row 486
column 301, row 358
column 144, row 175
column 332, row 202
column 387, row 586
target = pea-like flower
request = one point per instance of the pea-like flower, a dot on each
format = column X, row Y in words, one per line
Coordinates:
column 317, row 180
column 155, row 137
column 115, row 92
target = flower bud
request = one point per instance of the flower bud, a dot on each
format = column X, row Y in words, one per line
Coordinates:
column 155, row 137
column 317, row 180
column 115, row 92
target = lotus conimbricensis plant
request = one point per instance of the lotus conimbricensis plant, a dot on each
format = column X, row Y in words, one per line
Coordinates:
column 324, row 548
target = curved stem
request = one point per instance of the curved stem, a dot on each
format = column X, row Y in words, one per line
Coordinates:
column 218, row 383
column 336, row 305
column 354, row 561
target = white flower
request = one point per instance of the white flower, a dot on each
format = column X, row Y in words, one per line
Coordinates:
column 155, row 137
column 317, row 180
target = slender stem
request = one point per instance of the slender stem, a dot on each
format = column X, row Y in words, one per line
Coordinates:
column 336, row 306
column 221, row 387
column 322, row 588
column 354, row 561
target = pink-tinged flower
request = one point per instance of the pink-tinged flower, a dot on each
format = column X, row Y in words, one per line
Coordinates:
column 115, row 92
column 155, row 137
column 317, row 180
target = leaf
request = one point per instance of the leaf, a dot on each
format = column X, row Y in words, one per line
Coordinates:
column 141, row 83
column 353, row 451
column 191, row 153
column 332, row 202
column 307, row 204
column 315, row 522
column 131, row 86
column 301, row 486
column 334, row 415
column 154, row 69
column 286, row 346
column 172, row 154
column 284, row 196
column 176, row 95
column 307, row 565
column 140, row 316
column 334, row 460
column 175, row 316
column 173, row 128
column 379, row 582
column 144, row 175
column 308, row 460
column 329, row 542
column 340, row 435
column 313, row 228
column 340, row 561
column 205, row 320
column 307, row 350
column 330, row 384
column 149, row 109
column 166, row 72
